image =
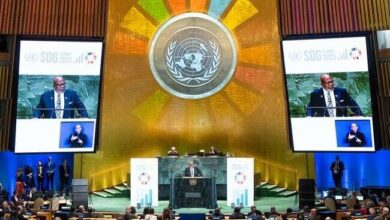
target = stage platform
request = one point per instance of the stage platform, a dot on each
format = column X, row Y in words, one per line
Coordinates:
column 264, row 204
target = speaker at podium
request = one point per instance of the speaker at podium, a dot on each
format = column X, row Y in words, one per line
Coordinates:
column 80, row 192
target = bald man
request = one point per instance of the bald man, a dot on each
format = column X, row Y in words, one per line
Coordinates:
column 59, row 102
column 331, row 101
column 354, row 137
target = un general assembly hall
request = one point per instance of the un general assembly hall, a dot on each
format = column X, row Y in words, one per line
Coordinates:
column 195, row 109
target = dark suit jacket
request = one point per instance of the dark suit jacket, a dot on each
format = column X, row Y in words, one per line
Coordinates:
column 353, row 141
column 46, row 107
column 237, row 216
column 197, row 172
column 341, row 168
column 317, row 104
column 62, row 172
column 75, row 143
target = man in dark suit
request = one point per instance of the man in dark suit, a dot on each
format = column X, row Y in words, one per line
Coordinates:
column 192, row 170
column 64, row 177
column 237, row 214
column 78, row 138
column 40, row 176
column 337, row 169
column 330, row 101
column 59, row 102
column 354, row 137
column 50, row 168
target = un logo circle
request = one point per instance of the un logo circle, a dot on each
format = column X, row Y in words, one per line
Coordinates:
column 192, row 56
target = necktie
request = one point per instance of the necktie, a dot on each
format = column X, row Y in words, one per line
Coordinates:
column 58, row 106
column 330, row 105
column 192, row 172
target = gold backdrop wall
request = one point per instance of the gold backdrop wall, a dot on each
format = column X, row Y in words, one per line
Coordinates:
column 247, row 118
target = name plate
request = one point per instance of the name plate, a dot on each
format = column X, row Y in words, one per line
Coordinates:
column 192, row 195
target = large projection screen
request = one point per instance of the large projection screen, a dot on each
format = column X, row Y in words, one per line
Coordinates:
column 58, row 92
column 329, row 94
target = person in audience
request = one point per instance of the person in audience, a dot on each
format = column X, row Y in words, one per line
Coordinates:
column 372, row 214
column 64, row 177
column 372, row 196
column 19, row 213
column 288, row 214
column 314, row 215
column 192, row 170
column 3, row 193
column 166, row 215
column 383, row 196
column 50, row 171
column 40, row 176
column 357, row 210
column 337, row 168
column 5, row 207
column 173, row 152
column 237, row 214
column 144, row 213
column 273, row 213
column 217, row 214
column 81, row 212
column 331, row 101
column 17, row 199
column 255, row 213
column 385, row 213
column 131, row 213
column 59, row 102
column 304, row 213
column 150, row 215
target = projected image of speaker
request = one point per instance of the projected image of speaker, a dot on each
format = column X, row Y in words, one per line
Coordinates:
column 306, row 193
column 80, row 192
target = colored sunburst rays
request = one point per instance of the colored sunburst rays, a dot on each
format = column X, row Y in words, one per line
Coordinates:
column 257, row 62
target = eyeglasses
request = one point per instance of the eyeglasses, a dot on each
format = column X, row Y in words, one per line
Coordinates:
column 61, row 84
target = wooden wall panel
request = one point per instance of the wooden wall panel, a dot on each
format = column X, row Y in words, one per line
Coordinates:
column 328, row 16
column 84, row 18
column 334, row 16
column 5, row 94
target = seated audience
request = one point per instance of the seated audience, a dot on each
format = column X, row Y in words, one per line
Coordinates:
column 166, row 215
column 217, row 214
column 16, row 199
column 150, row 215
column 272, row 214
column 81, row 212
column 237, row 214
column 144, row 213
column 288, row 214
column 372, row 213
column 305, row 213
column 19, row 213
column 255, row 213
column 130, row 213
column 385, row 213
column 314, row 215
column 3, row 193
column 357, row 210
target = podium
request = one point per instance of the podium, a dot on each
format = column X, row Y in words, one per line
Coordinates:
column 193, row 192
column 80, row 192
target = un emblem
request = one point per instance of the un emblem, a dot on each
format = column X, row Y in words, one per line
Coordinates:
column 192, row 56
